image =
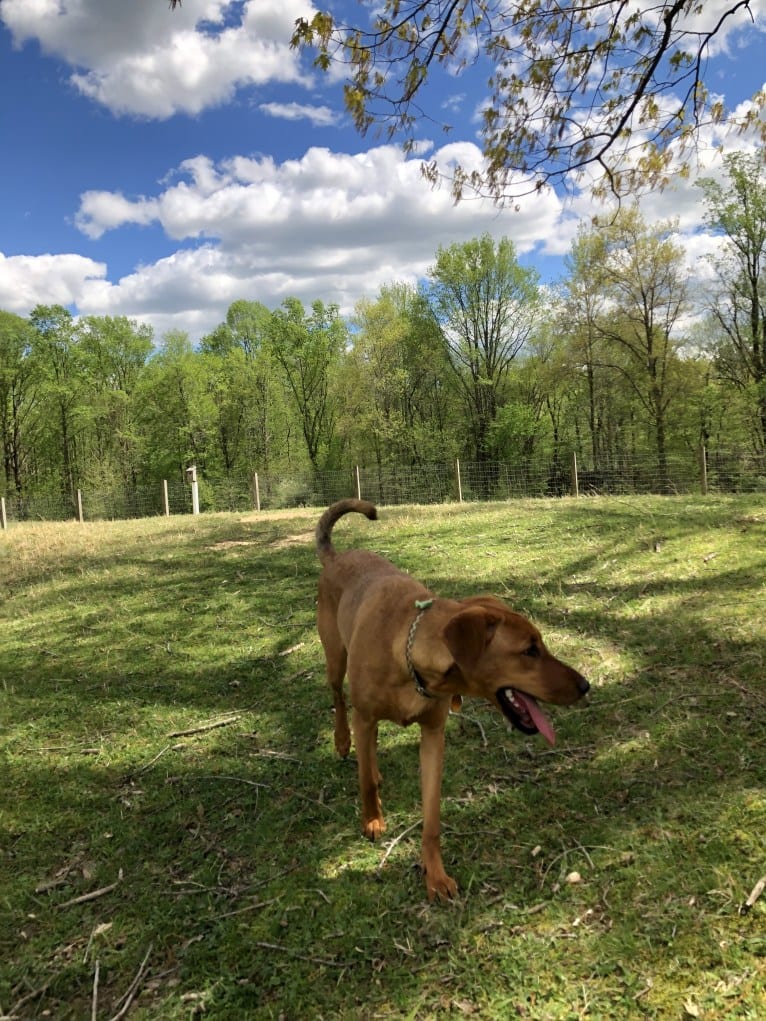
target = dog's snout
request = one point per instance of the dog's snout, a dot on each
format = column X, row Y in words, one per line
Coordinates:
column 582, row 685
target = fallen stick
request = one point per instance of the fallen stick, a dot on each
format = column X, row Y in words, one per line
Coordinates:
column 150, row 763
column 85, row 897
column 25, row 999
column 241, row 911
column 472, row 719
column 205, row 726
column 395, row 841
column 94, row 1000
column 755, row 893
column 302, row 957
column 132, row 989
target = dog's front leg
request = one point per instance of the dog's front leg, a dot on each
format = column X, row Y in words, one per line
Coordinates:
column 438, row 883
column 365, row 740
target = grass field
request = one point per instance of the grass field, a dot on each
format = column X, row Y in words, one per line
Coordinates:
column 177, row 839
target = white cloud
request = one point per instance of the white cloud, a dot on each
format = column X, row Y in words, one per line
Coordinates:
column 322, row 116
column 29, row 280
column 160, row 62
column 101, row 211
column 328, row 225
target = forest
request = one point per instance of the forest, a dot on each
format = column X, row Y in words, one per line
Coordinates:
column 629, row 357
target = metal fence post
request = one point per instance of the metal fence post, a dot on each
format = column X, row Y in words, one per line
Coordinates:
column 3, row 518
column 358, row 485
column 256, row 491
column 575, row 480
column 165, row 500
column 80, row 517
column 459, row 483
column 703, row 469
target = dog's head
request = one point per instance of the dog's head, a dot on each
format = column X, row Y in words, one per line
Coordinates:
column 501, row 656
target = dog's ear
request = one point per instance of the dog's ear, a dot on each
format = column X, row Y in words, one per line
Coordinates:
column 468, row 634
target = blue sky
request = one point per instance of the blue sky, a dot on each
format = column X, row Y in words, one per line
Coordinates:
column 161, row 165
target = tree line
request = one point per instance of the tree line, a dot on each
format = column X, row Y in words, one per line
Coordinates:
column 628, row 357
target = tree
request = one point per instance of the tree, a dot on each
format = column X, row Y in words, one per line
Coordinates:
column 615, row 87
column 57, row 355
column 640, row 271
column 307, row 348
column 114, row 352
column 243, row 386
column 583, row 307
column 17, row 397
column 736, row 209
column 485, row 304
column 176, row 414
column 395, row 406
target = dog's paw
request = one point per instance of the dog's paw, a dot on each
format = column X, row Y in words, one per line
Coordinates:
column 440, row 887
column 373, row 829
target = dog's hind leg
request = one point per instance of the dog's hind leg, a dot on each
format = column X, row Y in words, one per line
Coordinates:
column 335, row 660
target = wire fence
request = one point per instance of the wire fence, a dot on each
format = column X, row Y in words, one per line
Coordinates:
column 721, row 472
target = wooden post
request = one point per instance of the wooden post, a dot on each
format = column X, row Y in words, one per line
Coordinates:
column 191, row 475
column 703, row 469
column 165, row 500
column 459, row 482
column 3, row 518
column 256, row 491
column 575, row 480
column 80, row 517
column 358, row 485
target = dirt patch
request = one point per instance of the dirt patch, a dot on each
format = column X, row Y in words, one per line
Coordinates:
column 230, row 543
column 301, row 539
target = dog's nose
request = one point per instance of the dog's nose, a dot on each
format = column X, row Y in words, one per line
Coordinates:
column 582, row 685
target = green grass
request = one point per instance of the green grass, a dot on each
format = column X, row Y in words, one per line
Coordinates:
column 232, row 880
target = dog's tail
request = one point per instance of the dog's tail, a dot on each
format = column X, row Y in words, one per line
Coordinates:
column 325, row 548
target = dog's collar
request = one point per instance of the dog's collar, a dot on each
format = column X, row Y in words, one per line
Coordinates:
column 421, row 605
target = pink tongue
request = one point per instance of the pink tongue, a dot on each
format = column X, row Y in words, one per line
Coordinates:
column 539, row 718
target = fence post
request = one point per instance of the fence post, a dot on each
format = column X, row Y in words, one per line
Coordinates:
column 358, row 484
column 459, row 482
column 3, row 518
column 191, row 475
column 80, row 517
column 703, row 468
column 256, row 491
column 165, row 501
column 575, row 480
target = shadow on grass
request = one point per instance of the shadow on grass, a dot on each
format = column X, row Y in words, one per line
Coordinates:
column 242, row 864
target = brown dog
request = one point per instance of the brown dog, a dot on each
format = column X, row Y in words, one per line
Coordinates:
column 409, row 656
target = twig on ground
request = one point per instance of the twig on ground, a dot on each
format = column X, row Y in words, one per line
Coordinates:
column 150, row 763
column 745, row 691
column 25, row 999
column 302, row 957
column 205, row 726
column 472, row 719
column 93, row 895
column 241, row 911
column 755, row 893
column 236, row 779
column 395, row 841
column 129, row 995
column 266, row 753
column 587, row 856
column 94, row 998
column 293, row 648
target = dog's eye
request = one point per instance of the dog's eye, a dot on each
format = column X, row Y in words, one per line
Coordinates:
column 532, row 651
